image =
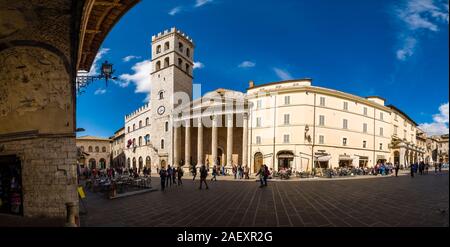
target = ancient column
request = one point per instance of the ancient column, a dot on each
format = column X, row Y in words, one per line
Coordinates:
column 214, row 141
column 176, row 146
column 200, row 143
column 245, row 140
column 229, row 141
column 187, row 144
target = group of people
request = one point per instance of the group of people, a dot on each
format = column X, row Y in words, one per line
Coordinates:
column 240, row 172
column 169, row 176
column 422, row 168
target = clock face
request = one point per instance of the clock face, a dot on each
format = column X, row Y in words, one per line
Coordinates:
column 161, row 110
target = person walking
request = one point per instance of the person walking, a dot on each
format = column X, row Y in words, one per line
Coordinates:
column 214, row 173
column 174, row 175
column 413, row 169
column 261, row 174
column 397, row 167
column 180, row 175
column 234, row 171
column 440, row 168
column 162, row 176
column 266, row 174
column 203, row 175
column 194, row 172
column 246, row 172
column 169, row 176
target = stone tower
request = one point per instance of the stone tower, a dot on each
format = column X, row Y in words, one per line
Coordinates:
column 172, row 66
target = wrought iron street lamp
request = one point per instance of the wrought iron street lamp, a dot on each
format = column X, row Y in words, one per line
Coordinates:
column 83, row 80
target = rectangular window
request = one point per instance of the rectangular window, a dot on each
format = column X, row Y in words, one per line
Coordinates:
column 381, row 146
column 345, row 106
column 258, row 104
column 404, row 134
column 345, row 124
column 321, row 120
column 321, row 139
column 395, row 130
column 364, row 144
column 381, row 116
column 365, row 111
column 344, row 141
column 287, row 100
column 364, row 128
column 285, row 138
column 381, row 132
column 286, row 119
column 395, row 117
column 258, row 122
column 258, row 140
column 322, row 101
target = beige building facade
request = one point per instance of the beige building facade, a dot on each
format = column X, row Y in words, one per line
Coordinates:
column 118, row 148
column 96, row 152
column 286, row 124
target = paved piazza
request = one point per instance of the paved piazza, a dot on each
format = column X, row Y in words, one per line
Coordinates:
column 390, row 201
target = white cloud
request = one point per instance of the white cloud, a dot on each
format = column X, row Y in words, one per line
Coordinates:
column 408, row 48
column 100, row 91
column 141, row 77
column 283, row 74
column 95, row 65
column 129, row 58
column 247, row 64
column 439, row 125
column 200, row 3
column 175, row 10
column 198, row 65
column 417, row 17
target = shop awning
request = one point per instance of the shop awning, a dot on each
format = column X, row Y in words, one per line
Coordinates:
column 323, row 158
column 345, row 157
column 285, row 156
column 380, row 157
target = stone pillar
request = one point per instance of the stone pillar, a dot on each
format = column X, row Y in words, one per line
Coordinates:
column 229, row 141
column 245, row 140
column 200, row 143
column 402, row 157
column 176, row 146
column 187, row 144
column 214, row 141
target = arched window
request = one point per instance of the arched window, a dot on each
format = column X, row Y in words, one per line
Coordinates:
column 166, row 46
column 140, row 140
column 141, row 163
column 158, row 65
column 134, row 141
column 134, row 127
column 147, row 139
column 90, row 149
column 104, row 149
column 134, row 163
column 147, row 162
column 187, row 68
column 158, row 49
column 128, row 129
column 161, row 95
column 82, row 148
column 188, row 52
column 180, row 62
column 180, row 47
column 166, row 62
column 147, row 121
column 140, row 124
column 97, row 149
column 128, row 163
column 167, row 126
column 102, row 163
column 162, row 143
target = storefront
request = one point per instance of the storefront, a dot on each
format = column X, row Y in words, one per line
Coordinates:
column 345, row 161
column 363, row 161
column 323, row 161
column 11, row 185
column 285, row 159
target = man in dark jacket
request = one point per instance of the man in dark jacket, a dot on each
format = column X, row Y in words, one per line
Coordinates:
column 397, row 167
column 203, row 175
column 162, row 175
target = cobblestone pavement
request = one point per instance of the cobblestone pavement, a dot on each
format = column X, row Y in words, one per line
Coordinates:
column 390, row 201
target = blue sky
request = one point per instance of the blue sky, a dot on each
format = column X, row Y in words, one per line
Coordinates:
column 394, row 49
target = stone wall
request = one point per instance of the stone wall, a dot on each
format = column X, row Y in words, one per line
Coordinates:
column 48, row 173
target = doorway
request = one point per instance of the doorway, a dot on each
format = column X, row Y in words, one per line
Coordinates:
column 258, row 162
column 11, row 197
column 285, row 159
